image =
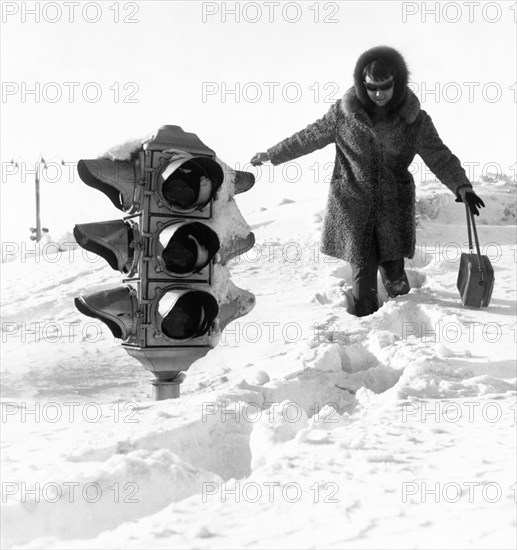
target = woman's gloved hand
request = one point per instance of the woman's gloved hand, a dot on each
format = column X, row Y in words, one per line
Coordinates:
column 259, row 158
column 467, row 195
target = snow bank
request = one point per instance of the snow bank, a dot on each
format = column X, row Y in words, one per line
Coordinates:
column 298, row 398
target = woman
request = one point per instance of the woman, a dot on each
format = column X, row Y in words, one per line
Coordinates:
column 378, row 128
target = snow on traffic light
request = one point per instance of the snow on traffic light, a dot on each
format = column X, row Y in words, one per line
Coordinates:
column 181, row 228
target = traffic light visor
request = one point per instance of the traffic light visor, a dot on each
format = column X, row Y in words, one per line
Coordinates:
column 117, row 307
column 116, row 179
column 113, row 240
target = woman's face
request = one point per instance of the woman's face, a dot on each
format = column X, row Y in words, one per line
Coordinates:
column 379, row 91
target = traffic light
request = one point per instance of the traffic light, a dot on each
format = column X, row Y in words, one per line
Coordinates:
column 181, row 228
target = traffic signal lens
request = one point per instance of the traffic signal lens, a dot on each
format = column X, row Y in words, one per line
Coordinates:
column 180, row 190
column 187, row 186
column 185, row 319
column 186, row 314
column 185, row 248
column 180, row 256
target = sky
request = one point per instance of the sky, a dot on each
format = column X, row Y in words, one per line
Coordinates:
column 242, row 76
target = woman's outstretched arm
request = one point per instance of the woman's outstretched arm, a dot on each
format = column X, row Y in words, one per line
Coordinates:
column 315, row 136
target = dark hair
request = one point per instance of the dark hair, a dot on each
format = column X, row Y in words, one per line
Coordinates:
column 379, row 69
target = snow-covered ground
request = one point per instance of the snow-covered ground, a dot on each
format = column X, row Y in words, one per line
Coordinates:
column 305, row 427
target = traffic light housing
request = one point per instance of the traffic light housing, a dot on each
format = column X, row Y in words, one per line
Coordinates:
column 182, row 227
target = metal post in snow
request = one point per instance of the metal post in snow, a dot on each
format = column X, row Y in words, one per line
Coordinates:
column 38, row 220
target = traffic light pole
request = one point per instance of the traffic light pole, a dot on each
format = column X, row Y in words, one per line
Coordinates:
column 169, row 389
column 38, row 218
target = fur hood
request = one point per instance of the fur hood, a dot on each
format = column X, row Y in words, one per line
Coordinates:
column 408, row 111
column 401, row 76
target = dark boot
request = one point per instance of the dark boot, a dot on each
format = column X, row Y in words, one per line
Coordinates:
column 394, row 277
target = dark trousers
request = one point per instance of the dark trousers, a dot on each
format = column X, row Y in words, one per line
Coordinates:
column 364, row 282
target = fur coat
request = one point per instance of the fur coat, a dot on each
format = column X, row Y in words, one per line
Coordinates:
column 372, row 193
